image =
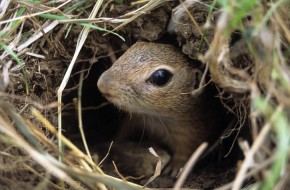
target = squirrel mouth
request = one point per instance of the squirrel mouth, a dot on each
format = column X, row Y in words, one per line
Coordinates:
column 109, row 97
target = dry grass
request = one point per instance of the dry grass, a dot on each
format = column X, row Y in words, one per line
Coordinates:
column 263, row 82
column 265, row 37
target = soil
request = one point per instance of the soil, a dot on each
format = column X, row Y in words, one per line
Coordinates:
column 131, row 156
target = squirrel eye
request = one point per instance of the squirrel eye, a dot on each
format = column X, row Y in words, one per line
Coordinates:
column 160, row 77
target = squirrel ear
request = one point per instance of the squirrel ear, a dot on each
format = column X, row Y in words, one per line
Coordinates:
column 198, row 83
column 197, row 74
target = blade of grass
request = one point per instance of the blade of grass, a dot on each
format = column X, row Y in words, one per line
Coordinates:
column 19, row 62
column 75, row 6
column 80, row 118
column 3, row 7
column 14, row 24
column 20, row 124
column 35, row 14
column 82, row 37
column 64, row 140
column 57, row 17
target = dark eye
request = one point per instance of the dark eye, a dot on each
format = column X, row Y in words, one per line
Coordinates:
column 160, row 77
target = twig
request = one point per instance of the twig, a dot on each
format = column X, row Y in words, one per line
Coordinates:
column 249, row 157
column 108, row 152
column 188, row 166
column 118, row 173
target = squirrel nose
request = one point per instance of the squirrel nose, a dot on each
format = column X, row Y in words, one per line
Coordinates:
column 103, row 85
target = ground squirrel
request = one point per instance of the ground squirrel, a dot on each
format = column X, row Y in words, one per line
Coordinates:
column 154, row 82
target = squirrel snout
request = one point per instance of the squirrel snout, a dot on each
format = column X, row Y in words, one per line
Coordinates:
column 103, row 85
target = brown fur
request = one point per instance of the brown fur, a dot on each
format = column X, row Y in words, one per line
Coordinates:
column 173, row 116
